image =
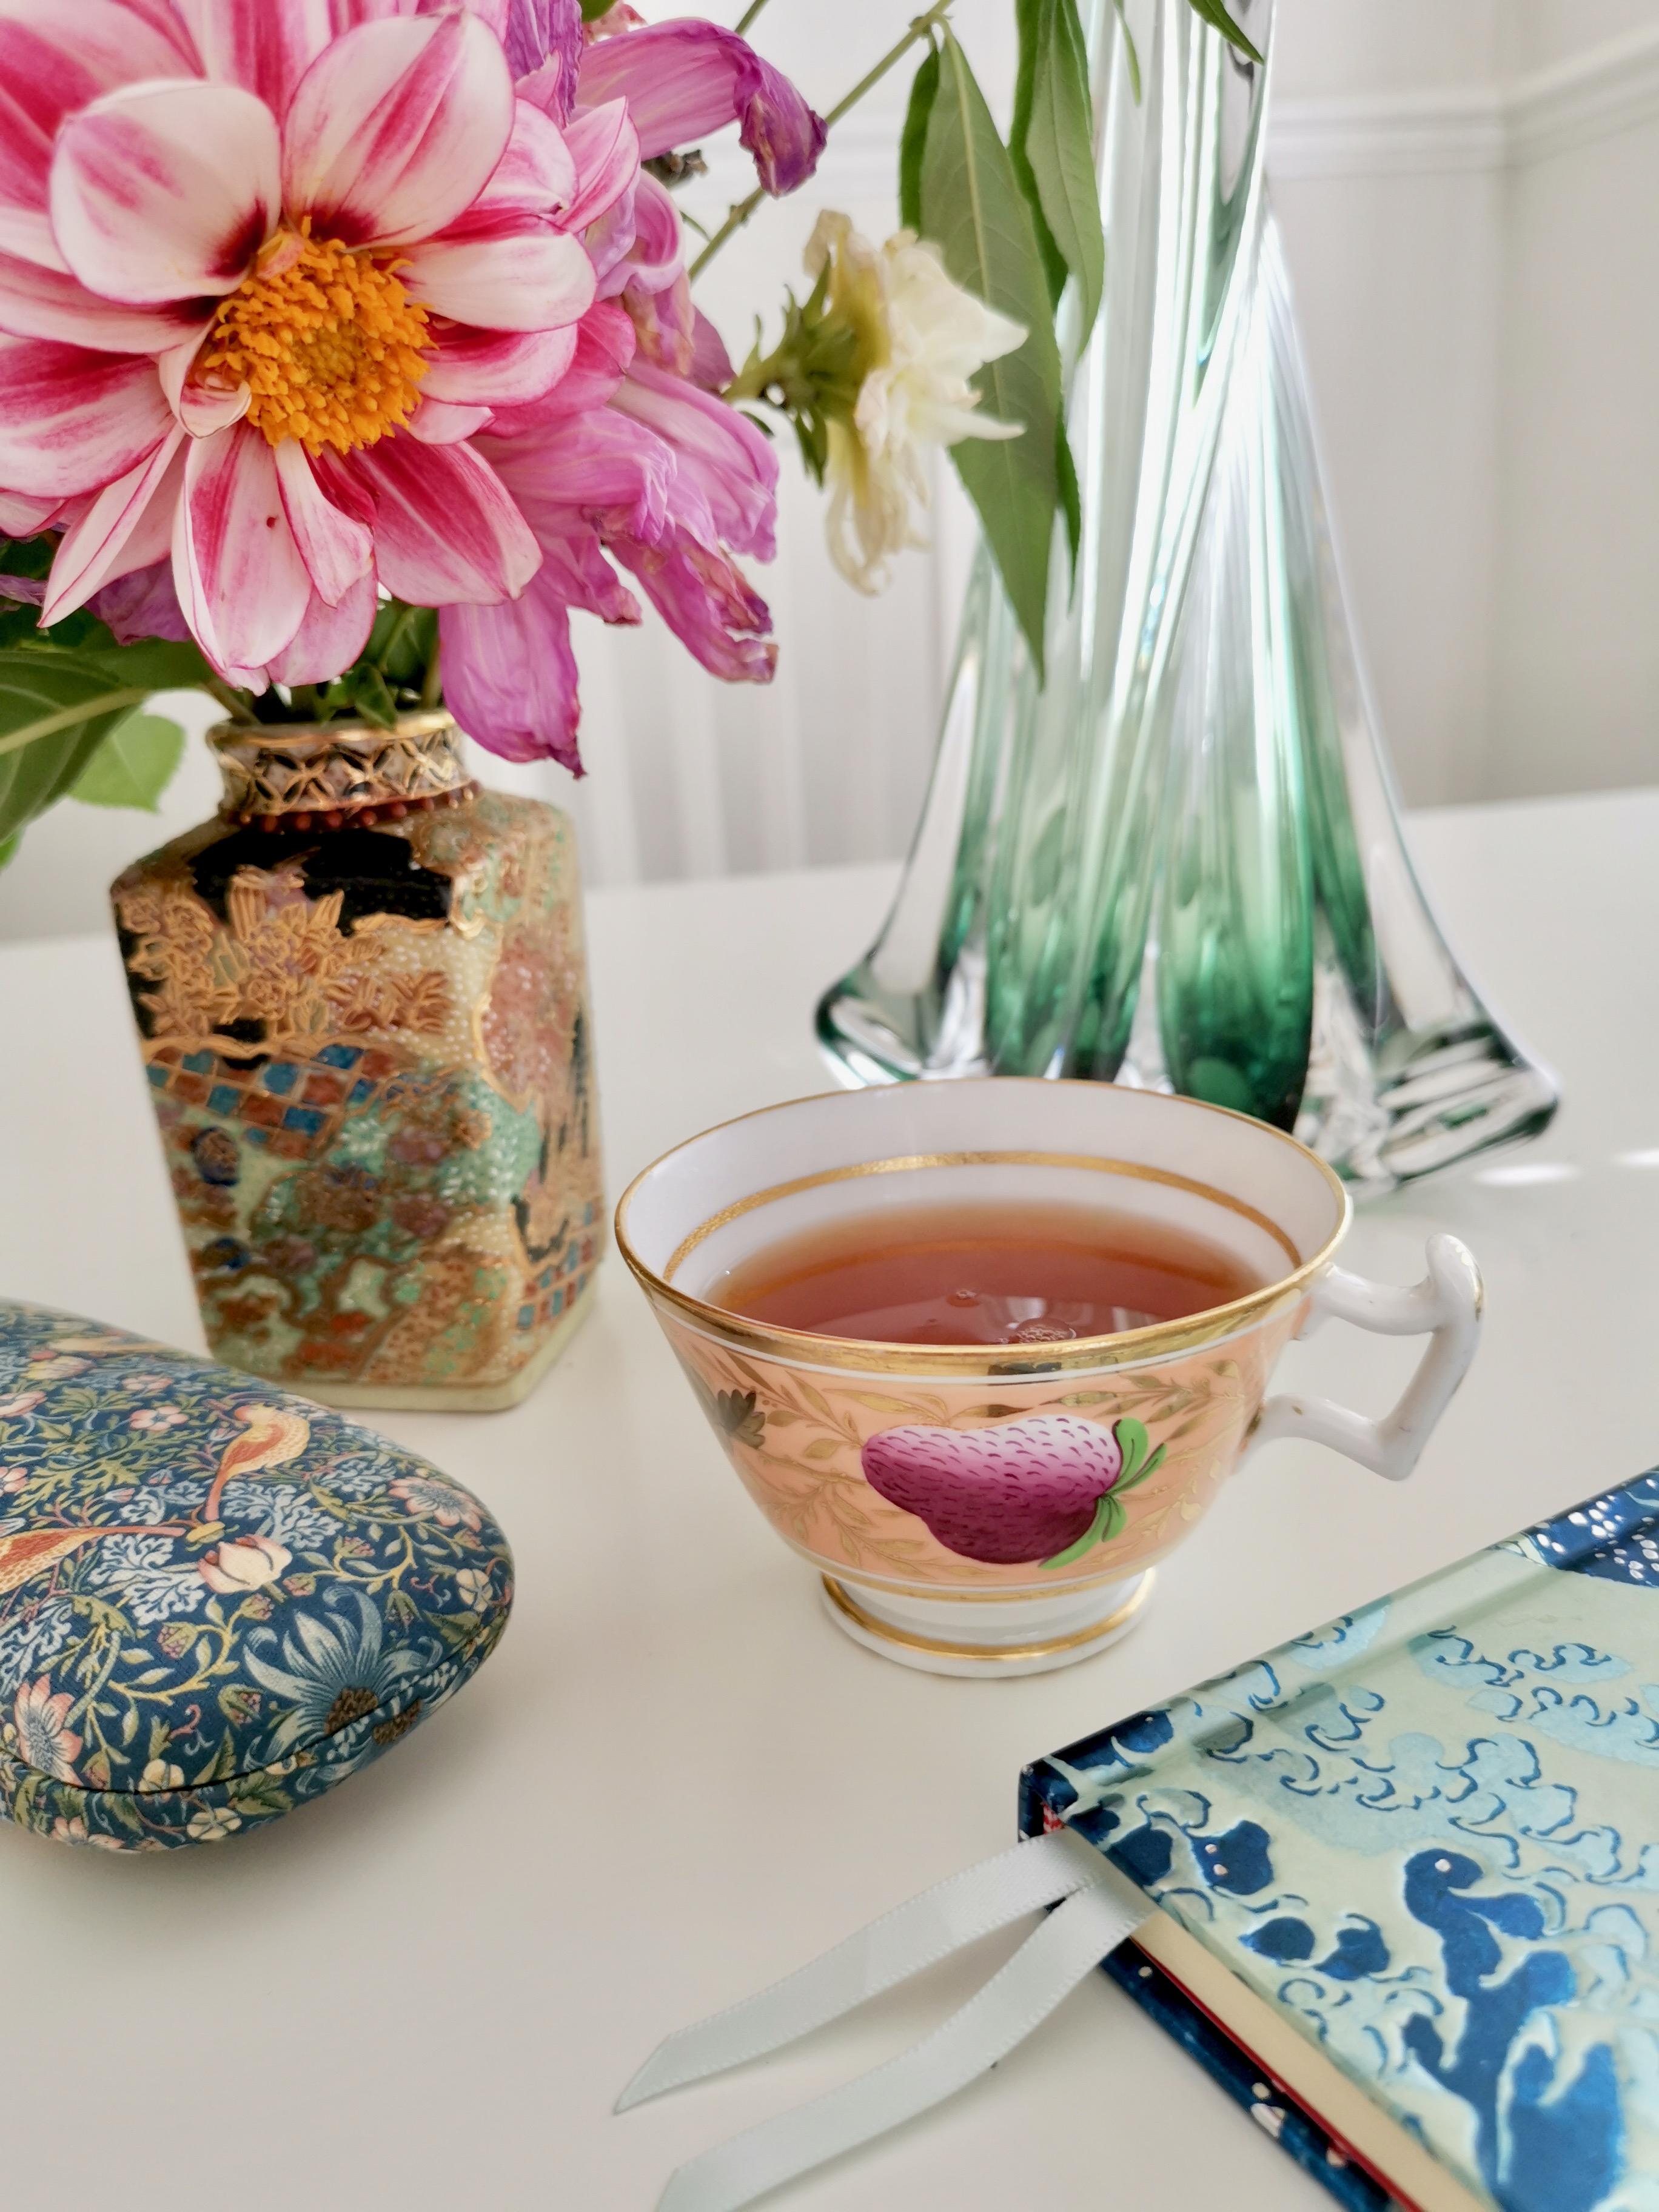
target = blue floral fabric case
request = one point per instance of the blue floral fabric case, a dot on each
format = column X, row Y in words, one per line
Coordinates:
column 216, row 1601
column 1428, row 1836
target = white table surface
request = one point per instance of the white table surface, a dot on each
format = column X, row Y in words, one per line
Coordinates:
column 675, row 1780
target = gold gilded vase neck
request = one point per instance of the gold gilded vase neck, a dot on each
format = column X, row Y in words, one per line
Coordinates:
column 307, row 775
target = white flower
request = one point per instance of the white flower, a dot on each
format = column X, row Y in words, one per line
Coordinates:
column 213, row 1824
column 472, row 1587
column 246, row 1565
column 158, row 1775
column 920, row 339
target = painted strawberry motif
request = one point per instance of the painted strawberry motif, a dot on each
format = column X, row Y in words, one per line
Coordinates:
column 1039, row 1491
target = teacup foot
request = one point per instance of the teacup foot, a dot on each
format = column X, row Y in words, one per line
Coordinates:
column 968, row 1637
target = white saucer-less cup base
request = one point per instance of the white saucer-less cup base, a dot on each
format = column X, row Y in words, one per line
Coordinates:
column 972, row 1636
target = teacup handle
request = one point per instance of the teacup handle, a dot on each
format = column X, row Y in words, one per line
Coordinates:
column 1446, row 1304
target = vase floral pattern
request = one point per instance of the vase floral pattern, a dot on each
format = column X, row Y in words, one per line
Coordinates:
column 1026, row 1483
column 368, row 1038
column 216, row 1601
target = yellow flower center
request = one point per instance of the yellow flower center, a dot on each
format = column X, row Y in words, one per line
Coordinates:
column 329, row 343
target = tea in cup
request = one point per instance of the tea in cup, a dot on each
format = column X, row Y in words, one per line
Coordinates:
column 983, row 1352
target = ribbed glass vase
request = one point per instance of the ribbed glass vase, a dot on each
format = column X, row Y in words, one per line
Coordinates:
column 1179, row 861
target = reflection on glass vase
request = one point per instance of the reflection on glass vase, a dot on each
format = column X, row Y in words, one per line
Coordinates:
column 1179, row 861
column 362, row 1005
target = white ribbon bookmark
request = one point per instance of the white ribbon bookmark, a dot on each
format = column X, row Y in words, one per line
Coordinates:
column 1103, row 1907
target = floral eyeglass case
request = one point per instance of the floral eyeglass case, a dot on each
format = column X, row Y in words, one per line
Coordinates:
column 216, row 1601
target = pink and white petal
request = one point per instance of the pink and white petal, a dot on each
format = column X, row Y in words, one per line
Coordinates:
column 442, row 422
column 37, row 302
column 71, row 419
column 49, row 69
column 265, row 47
column 685, row 78
column 720, row 454
column 239, row 576
column 605, row 149
column 654, row 259
column 535, row 177
column 165, row 191
column 711, row 365
column 708, row 603
column 21, row 517
column 201, row 408
column 574, row 565
column 608, row 240
column 336, row 548
column 445, row 526
column 510, row 677
column 605, row 344
column 598, row 464
column 529, row 278
column 165, row 19
column 470, row 368
column 666, row 322
column 90, row 551
column 540, row 34
column 397, row 128
column 329, row 638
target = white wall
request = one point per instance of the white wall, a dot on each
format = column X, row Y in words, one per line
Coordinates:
column 1465, row 192
column 1575, row 695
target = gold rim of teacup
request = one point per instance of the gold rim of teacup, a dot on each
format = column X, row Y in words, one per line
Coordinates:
column 1125, row 1348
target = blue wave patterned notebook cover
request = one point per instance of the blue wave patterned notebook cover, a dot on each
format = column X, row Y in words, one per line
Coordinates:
column 1428, row 1836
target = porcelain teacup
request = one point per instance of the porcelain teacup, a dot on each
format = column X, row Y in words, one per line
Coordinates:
column 916, row 1477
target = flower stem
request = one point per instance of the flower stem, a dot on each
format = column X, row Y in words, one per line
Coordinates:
column 432, row 683
column 748, row 15
column 233, row 701
column 920, row 27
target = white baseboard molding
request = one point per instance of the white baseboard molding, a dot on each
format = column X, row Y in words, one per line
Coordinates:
column 1613, row 87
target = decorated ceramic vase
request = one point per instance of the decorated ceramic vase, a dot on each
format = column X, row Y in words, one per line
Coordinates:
column 362, row 1002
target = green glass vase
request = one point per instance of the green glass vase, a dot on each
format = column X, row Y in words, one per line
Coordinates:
column 1179, row 861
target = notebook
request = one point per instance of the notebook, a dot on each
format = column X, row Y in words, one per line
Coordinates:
column 1408, row 1869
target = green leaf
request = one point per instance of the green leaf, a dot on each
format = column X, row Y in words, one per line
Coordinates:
column 401, row 641
column 593, row 10
column 8, row 848
column 56, row 709
column 1028, row 16
column 1132, row 1442
column 1129, row 53
column 973, row 208
column 371, row 697
column 1070, row 492
column 1052, row 146
column 158, row 664
column 1109, row 1521
column 134, row 764
column 1213, row 12
column 924, row 89
column 1133, row 1481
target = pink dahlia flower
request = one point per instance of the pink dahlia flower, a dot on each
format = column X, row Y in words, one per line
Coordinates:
column 263, row 282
